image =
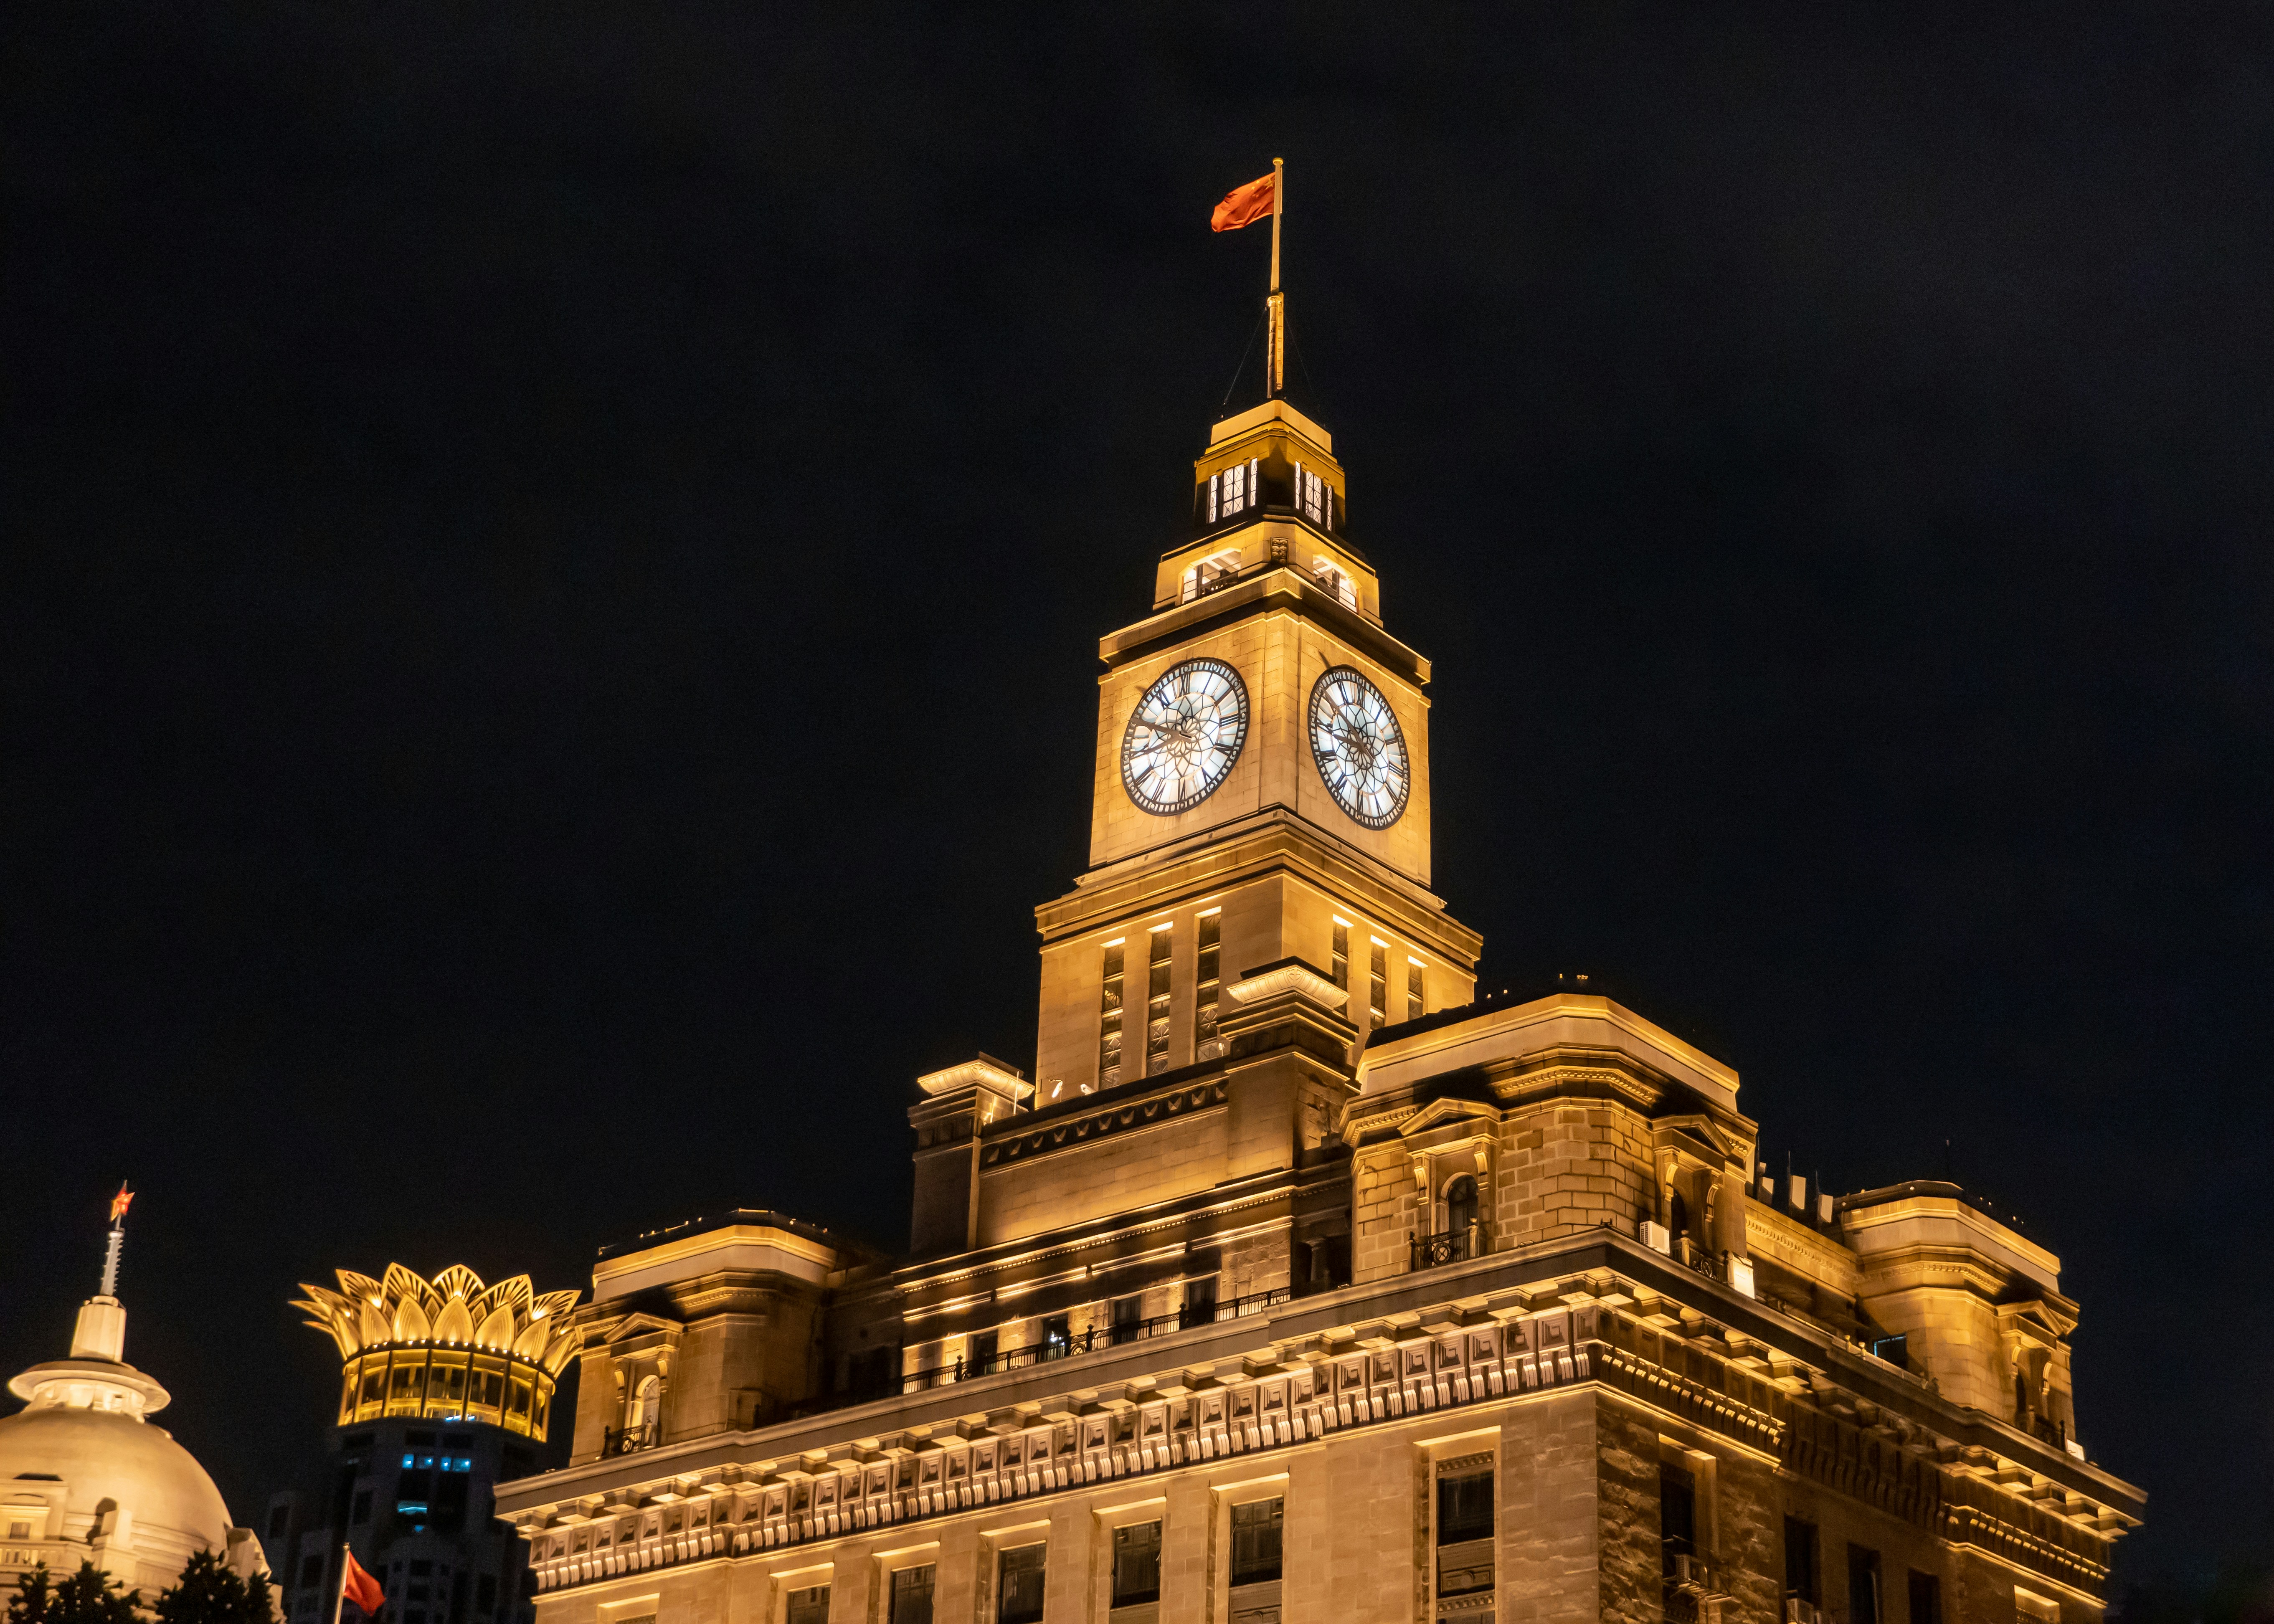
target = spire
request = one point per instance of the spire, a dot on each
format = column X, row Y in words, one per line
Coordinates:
column 119, row 1203
column 97, row 1375
column 101, row 1333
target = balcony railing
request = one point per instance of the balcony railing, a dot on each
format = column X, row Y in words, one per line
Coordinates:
column 630, row 1439
column 1093, row 1338
column 1453, row 1246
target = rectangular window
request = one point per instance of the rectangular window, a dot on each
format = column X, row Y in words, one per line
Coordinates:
column 1233, row 491
column 1377, row 986
column 1156, row 1003
column 1200, row 1302
column 1338, row 967
column 1464, row 1527
column 1800, row 1562
column 810, row 1605
column 1678, row 1516
column 1210, row 939
column 1058, row 1337
column 1413, row 990
column 912, row 1595
column 1108, row 1021
column 1925, row 1599
column 983, row 1348
column 1862, row 1585
column 1128, row 1316
column 1314, row 495
column 1018, row 1599
column 1255, row 1538
column 1136, row 1564
column 1209, row 574
column 1464, row 1508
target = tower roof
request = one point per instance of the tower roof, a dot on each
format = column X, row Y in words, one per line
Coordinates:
column 81, row 1455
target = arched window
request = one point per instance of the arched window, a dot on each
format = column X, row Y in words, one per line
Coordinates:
column 1461, row 1211
column 1677, row 1215
column 646, row 1405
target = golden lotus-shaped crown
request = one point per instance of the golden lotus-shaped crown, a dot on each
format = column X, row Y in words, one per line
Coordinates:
column 452, row 1310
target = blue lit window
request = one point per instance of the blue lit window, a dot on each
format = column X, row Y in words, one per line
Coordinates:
column 408, row 1462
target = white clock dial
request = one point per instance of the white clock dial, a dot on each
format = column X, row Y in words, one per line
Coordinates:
column 1359, row 749
column 1184, row 736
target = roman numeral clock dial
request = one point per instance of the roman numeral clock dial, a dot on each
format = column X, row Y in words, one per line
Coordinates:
column 1184, row 736
column 1359, row 749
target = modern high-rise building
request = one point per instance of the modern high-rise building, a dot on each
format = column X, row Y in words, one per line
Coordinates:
column 445, row 1387
column 1302, row 1281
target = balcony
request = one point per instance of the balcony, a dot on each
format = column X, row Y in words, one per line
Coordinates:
column 1428, row 1251
column 630, row 1439
column 1095, row 1338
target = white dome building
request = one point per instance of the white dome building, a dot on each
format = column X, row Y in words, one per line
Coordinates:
column 85, row 1477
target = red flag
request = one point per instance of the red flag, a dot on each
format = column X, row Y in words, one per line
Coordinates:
column 1243, row 205
column 360, row 1588
column 120, row 1202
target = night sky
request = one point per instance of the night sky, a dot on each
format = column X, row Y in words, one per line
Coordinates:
column 554, row 553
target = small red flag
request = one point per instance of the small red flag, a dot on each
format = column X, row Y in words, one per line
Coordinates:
column 360, row 1588
column 1243, row 205
column 120, row 1202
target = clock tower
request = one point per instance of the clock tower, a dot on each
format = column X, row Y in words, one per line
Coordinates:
column 1261, row 783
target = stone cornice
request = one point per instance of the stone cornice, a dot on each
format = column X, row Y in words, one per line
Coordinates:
column 1273, row 840
column 1373, row 1117
column 1285, row 590
column 1605, row 1312
column 1012, row 1144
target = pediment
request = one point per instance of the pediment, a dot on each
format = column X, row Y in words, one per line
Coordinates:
column 1707, row 1139
column 640, row 1325
column 2041, row 1314
column 1446, row 1112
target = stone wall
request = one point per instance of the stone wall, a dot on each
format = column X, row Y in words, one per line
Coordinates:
column 1567, row 1166
column 1548, row 1523
column 1627, row 1541
column 1133, row 1169
column 1385, row 1208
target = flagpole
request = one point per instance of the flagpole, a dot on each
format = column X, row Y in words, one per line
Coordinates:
column 1274, row 380
column 1279, row 204
column 340, row 1596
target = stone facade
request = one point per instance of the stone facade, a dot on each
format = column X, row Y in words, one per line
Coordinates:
column 1349, row 1293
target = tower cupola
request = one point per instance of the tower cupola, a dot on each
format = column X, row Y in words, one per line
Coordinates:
column 1268, row 494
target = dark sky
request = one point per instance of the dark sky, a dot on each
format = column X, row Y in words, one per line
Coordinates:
column 554, row 553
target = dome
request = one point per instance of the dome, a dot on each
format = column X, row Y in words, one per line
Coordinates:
column 100, row 1460
column 85, row 1477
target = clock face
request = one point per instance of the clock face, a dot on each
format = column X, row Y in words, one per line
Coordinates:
column 1184, row 736
column 1359, row 749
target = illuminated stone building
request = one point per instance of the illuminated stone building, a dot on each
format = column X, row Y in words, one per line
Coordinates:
column 445, row 1387
column 1304, row 1280
column 86, row 1476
